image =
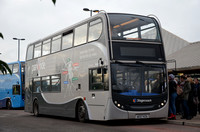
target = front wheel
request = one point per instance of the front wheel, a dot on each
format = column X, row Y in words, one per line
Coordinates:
column 36, row 109
column 81, row 112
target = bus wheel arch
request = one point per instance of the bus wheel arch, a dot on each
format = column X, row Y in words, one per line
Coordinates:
column 8, row 104
column 36, row 108
column 81, row 111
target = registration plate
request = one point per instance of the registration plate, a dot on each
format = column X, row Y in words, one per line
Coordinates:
column 141, row 116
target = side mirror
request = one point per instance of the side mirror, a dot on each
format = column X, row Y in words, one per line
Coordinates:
column 104, row 70
column 99, row 71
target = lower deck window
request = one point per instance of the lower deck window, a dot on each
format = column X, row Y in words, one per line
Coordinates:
column 50, row 83
column 16, row 89
column 98, row 79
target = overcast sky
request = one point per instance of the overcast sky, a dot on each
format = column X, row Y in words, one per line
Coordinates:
column 36, row 19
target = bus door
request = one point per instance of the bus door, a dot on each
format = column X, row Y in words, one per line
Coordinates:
column 16, row 96
column 98, row 91
column 29, row 97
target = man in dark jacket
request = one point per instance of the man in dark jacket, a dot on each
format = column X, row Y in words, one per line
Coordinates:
column 172, row 97
column 197, row 91
column 186, row 90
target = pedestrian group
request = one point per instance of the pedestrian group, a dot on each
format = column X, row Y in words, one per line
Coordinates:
column 184, row 95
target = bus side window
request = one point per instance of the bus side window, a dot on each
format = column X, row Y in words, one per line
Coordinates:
column 95, row 30
column 29, row 53
column 37, row 50
column 80, row 36
column 67, row 39
column 46, row 47
column 36, row 85
column 16, row 89
column 56, row 44
column 98, row 79
column 15, row 68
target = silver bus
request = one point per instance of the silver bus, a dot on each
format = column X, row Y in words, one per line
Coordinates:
column 110, row 66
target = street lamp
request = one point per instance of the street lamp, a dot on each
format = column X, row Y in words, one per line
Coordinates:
column 18, row 46
column 86, row 9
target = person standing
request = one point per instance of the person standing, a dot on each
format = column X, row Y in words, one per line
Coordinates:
column 185, row 95
column 197, row 91
column 172, row 97
column 192, row 95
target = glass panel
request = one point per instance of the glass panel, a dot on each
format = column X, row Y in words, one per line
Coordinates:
column 106, row 79
column 133, row 27
column 46, row 48
column 37, row 51
column 55, row 84
column 15, row 68
column 96, row 79
column 30, row 53
column 138, row 80
column 56, row 45
column 127, row 81
column 46, row 78
column 23, row 67
column 36, row 85
column 46, row 86
column 16, row 89
column 95, row 30
column 80, row 35
column 47, row 41
column 154, row 81
column 56, row 76
column 67, row 41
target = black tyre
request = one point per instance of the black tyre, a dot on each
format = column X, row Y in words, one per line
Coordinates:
column 8, row 104
column 36, row 109
column 82, row 114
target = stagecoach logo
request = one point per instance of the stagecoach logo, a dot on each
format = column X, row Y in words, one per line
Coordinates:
column 142, row 100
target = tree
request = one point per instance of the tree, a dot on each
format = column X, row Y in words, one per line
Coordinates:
column 54, row 1
column 1, row 35
column 4, row 67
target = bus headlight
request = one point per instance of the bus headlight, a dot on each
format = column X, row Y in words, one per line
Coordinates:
column 118, row 105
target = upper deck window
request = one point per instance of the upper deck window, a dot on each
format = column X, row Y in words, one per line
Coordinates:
column 37, row 50
column 80, row 35
column 56, row 44
column 95, row 30
column 132, row 27
column 67, row 40
column 30, row 53
column 15, row 68
column 46, row 47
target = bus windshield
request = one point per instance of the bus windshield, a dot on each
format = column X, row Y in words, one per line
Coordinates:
column 138, row 79
column 133, row 27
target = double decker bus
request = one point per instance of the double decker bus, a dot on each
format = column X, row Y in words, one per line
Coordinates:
column 12, row 86
column 110, row 66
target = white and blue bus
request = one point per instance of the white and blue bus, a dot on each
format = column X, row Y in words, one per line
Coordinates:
column 107, row 67
column 12, row 86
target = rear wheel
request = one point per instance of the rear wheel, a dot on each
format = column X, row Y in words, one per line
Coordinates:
column 8, row 104
column 36, row 109
column 81, row 112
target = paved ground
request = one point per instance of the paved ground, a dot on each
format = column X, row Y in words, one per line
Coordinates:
column 20, row 121
column 193, row 122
